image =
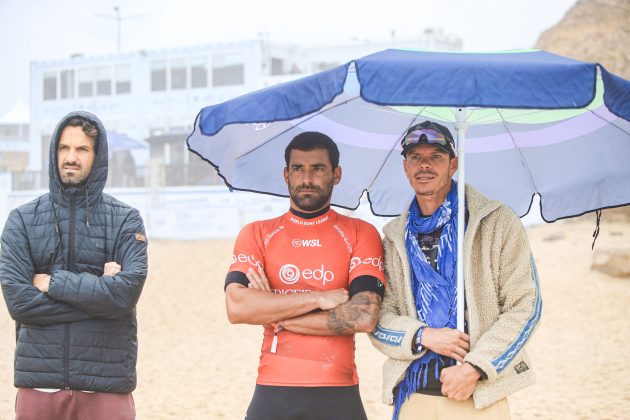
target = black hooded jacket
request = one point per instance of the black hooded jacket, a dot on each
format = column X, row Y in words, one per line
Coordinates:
column 82, row 334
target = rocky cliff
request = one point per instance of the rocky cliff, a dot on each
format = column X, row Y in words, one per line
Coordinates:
column 594, row 31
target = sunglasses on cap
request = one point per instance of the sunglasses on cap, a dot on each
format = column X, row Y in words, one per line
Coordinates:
column 427, row 135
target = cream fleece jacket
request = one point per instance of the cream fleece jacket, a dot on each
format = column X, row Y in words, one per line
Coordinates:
column 502, row 295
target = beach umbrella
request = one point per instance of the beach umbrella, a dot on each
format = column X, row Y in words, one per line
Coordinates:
column 532, row 123
column 120, row 141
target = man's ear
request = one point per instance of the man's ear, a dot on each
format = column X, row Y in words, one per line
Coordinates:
column 337, row 175
column 454, row 166
column 286, row 175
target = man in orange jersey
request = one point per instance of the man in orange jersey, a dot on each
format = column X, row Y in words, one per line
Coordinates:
column 312, row 278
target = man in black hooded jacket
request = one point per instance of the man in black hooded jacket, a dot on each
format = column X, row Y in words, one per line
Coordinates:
column 72, row 266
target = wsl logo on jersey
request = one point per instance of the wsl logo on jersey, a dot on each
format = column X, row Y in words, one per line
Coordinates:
column 291, row 274
column 298, row 243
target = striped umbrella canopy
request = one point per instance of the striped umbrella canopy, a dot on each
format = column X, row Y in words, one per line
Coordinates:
column 535, row 123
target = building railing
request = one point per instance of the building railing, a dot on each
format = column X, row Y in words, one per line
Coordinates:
column 29, row 180
column 134, row 177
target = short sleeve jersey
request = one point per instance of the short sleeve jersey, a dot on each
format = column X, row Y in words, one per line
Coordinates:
column 301, row 255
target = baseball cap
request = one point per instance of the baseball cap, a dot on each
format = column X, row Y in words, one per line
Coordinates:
column 428, row 132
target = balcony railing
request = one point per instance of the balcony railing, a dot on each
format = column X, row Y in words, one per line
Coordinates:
column 153, row 176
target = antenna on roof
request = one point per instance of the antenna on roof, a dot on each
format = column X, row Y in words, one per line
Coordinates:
column 119, row 19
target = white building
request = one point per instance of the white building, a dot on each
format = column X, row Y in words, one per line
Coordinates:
column 155, row 95
column 14, row 139
column 146, row 95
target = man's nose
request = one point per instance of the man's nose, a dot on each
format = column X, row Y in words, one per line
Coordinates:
column 424, row 161
column 308, row 176
column 71, row 156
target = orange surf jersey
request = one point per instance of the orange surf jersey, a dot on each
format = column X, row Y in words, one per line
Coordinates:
column 300, row 255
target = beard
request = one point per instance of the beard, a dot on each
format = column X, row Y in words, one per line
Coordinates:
column 317, row 197
column 74, row 179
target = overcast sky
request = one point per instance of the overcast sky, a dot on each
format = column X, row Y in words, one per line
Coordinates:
column 46, row 29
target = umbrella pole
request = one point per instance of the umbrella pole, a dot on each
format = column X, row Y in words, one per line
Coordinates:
column 461, row 124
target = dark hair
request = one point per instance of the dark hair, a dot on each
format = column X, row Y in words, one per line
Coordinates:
column 89, row 128
column 312, row 140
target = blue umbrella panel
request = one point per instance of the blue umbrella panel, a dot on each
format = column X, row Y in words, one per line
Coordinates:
column 538, row 124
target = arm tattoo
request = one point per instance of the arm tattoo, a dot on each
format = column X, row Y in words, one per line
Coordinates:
column 346, row 319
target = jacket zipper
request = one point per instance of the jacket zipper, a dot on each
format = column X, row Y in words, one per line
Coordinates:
column 66, row 358
column 66, row 355
column 71, row 234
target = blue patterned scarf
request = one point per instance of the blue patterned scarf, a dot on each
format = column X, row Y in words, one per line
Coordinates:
column 435, row 292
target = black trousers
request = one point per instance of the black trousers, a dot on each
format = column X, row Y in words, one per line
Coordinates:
column 306, row 403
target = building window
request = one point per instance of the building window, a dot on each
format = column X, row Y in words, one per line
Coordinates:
column 228, row 70
column 86, row 82
column 50, row 86
column 158, row 75
column 167, row 153
column 178, row 74
column 277, row 65
column 123, row 79
column 103, row 81
column 67, row 84
column 228, row 75
column 198, row 73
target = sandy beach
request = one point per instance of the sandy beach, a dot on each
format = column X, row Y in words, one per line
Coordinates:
column 193, row 364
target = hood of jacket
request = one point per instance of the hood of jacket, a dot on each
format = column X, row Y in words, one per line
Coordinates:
column 97, row 178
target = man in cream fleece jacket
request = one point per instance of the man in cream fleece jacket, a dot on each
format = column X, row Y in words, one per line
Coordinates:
column 417, row 327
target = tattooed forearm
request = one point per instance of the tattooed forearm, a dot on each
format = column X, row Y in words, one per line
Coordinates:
column 359, row 314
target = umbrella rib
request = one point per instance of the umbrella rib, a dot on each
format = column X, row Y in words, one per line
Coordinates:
column 313, row 115
column 490, row 117
column 609, row 122
column 474, row 121
column 391, row 150
column 529, row 172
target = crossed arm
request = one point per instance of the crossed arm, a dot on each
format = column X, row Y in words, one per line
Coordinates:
column 42, row 281
column 339, row 315
column 359, row 314
column 64, row 296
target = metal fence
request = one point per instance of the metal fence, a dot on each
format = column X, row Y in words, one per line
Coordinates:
column 29, row 180
column 153, row 176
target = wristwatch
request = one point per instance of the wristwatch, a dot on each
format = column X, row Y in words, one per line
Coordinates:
column 419, row 339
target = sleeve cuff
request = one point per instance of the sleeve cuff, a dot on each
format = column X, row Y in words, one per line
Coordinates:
column 52, row 285
column 367, row 284
column 236, row 277
column 489, row 372
column 482, row 374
